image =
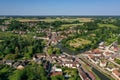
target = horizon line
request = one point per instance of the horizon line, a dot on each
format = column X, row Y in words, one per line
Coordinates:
column 56, row 15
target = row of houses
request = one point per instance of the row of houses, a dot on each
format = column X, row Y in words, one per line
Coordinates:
column 104, row 56
column 16, row 64
column 61, row 60
column 58, row 60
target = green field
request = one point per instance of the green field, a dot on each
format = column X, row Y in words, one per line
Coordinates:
column 107, row 25
column 78, row 42
column 66, row 26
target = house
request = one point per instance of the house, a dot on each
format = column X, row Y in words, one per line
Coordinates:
column 69, row 59
column 20, row 67
column 110, row 68
column 53, row 56
column 62, row 56
column 103, row 63
column 9, row 62
column 114, row 48
column 37, row 57
column 101, row 45
column 69, row 64
column 92, row 76
column 94, row 59
column 16, row 64
column 116, row 73
column 56, row 71
column 96, row 51
column 107, row 54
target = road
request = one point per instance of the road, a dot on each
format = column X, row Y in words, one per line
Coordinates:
column 48, row 56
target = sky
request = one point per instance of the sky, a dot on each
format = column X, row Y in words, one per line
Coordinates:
column 59, row 7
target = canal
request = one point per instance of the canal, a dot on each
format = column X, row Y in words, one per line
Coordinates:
column 100, row 75
column 64, row 49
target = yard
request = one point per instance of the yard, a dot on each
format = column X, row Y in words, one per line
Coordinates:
column 78, row 42
column 71, row 73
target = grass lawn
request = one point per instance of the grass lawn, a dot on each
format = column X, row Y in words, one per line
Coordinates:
column 72, row 72
column 78, row 42
column 117, row 61
column 107, row 25
column 111, row 65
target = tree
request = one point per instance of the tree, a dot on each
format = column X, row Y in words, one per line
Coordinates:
column 118, row 40
column 5, row 71
column 11, row 56
column 59, row 77
column 18, row 75
column 16, row 25
column 31, row 72
column 56, row 51
column 16, row 50
column 53, row 50
column 90, row 25
column 50, row 50
column 29, row 54
column 117, row 23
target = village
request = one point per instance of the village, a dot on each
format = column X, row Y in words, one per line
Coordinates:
column 103, row 56
column 73, row 53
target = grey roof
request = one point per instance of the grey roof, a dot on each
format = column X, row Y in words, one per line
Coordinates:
column 9, row 61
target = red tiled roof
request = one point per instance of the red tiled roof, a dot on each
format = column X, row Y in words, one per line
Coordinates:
column 116, row 72
column 92, row 75
column 91, row 56
column 107, row 53
column 96, row 50
column 56, row 73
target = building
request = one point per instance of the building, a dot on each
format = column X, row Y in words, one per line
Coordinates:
column 103, row 63
column 92, row 76
column 69, row 64
column 92, row 58
column 116, row 73
column 55, row 71
column 107, row 54
column 20, row 67
column 9, row 62
column 101, row 45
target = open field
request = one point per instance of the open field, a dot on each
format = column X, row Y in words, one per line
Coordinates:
column 57, row 19
column 78, row 42
column 107, row 25
column 66, row 26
